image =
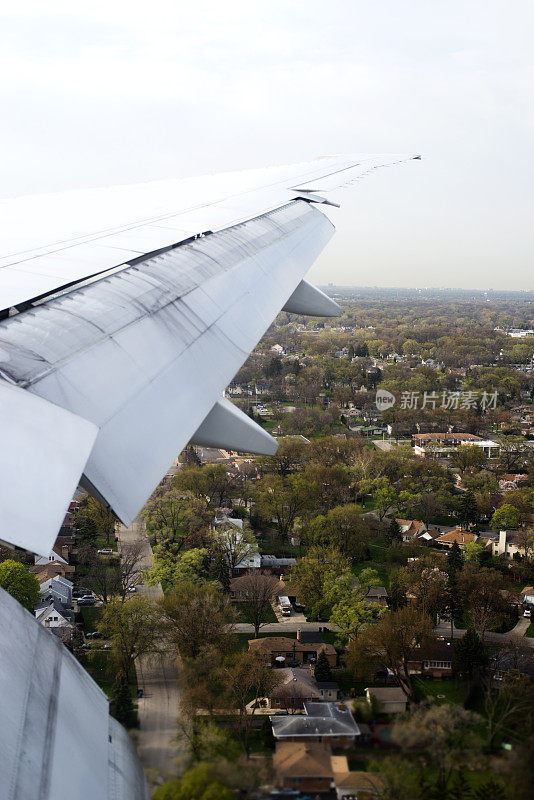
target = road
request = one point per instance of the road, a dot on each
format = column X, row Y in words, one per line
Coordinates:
column 158, row 708
column 443, row 629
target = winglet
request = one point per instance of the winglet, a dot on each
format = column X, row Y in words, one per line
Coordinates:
column 44, row 450
column 307, row 299
column 228, row 427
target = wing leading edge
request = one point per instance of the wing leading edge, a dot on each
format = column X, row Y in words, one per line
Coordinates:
column 138, row 356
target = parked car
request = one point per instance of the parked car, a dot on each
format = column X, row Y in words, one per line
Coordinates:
column 106, row 551
column 87, row 600
column 93, row 635
column 527, row 612
column 132, row 588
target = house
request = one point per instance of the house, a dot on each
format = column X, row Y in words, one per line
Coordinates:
column 378, row 595
column 304, row 766
column 389, row 699
column 298, row 686
column 434, row 662
column 527, row 596
column 54, row 555
column 280, row 649
column 53, row 614
column 429, row 536
column 358, row 784
column 332, row 723
column 411, row 528
column 58, row 588
column 444, row 445
column 507, row 545
column 44, row 571
column 266, row 564
column 457, row 535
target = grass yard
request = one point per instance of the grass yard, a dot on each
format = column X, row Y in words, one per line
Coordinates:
column 243, row 614
column 441, row 692
column 530, row 631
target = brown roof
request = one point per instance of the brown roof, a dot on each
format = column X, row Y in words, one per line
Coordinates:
column 456, row 536
column 45, row 571
column 387, row 694
column 271, row 644
column 303, row 759
column 362, row 783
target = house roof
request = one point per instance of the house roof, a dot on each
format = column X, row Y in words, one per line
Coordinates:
column 439, row 650
column 303, row 759
column 44, row 571
column 272, row 644
column 462, row 537
column 459, row 437
column 387, row 694
column 360, row 783
column 377, row 591
column 46, row 606
column 321, row 719
column 413, row 527
column 295, row 683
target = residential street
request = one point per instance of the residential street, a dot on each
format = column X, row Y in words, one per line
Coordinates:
column 442, row 629
column 158, row 708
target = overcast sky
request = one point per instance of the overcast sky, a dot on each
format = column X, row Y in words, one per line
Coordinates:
column 119, row 92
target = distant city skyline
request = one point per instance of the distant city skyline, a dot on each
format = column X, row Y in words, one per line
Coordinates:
column 96, row 96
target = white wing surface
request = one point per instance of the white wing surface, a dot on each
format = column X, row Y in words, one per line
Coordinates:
column 133, row 308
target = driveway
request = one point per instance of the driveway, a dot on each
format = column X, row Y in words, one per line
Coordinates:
column 158, row 708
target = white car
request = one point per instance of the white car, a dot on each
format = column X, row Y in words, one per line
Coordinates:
column 527, row 612
column 107, row 551
column 132, row 588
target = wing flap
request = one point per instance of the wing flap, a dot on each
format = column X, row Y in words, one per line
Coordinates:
column 44, row 450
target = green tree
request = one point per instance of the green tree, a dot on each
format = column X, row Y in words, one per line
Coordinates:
column 196, row 615
column 322, row 671
column 445, row 736
column 385, row 497
column 192, row 566
column 505, row 517
column 473, row 551
column 18, row 581
column 283, row 499
column 344, row 528
column 470, row 657
column 198, row 783
column 391, row 642
column 316, row 577
column 467, row 507
column 466, row 458
column 134, row 629
column 455, row 559
column 121, row 702
column 393, row 532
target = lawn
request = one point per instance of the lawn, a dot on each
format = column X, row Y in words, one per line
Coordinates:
column 243, row 614
column 440, row 692
column 530, row 631
column 377, row 551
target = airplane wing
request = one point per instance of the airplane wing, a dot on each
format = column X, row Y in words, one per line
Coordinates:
column 124, row 314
